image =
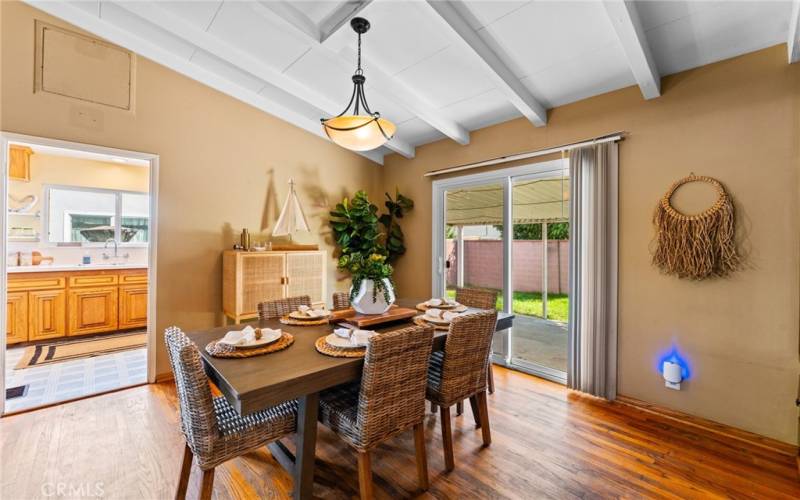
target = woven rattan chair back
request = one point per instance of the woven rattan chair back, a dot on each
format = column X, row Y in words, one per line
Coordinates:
column 476, row 297
column 392, row 395
column 466, row 355
column 198, row 420
column 272, row 309
column 341, row 300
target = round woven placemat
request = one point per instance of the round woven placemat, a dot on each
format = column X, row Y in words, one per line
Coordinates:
column 337, row 352
column 286, row 320
column 228, row 351
column 422, row 307
column 421, row 322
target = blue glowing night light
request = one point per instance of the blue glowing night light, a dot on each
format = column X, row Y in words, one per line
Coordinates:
column 673, row 356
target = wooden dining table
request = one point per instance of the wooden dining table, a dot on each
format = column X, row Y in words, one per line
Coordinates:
column 299, row 372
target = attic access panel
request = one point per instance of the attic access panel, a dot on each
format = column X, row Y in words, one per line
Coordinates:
column 81, row 67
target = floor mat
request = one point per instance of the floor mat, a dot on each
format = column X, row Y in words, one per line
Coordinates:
column 55, row 352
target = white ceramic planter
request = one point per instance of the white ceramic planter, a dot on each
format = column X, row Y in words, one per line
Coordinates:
column 363, row 303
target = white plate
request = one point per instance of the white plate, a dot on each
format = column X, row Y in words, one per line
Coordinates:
column 334, row 340
column 304, row 317
column 438, row 321
column 266, row 339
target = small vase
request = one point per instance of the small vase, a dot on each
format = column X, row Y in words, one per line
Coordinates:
column 363, row 303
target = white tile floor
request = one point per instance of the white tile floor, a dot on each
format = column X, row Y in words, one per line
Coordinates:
column 56, row 382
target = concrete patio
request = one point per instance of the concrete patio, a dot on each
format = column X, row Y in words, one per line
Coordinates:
column 540, row 341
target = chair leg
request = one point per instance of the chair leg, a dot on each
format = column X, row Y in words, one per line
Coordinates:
column 490, row 378
column 422, row 457
column 447, row 439
column 473, row 402
column 186, row 469
column 434, row 408
column 459, row 408
column 208, row 484
column 483, row 410
column 364, row 475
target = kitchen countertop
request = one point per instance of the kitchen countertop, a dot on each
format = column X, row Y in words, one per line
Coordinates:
column 72, row 267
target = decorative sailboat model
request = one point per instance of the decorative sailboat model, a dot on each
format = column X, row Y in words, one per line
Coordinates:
column 291, row 219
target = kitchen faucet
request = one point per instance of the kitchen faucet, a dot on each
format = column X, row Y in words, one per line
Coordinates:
column 116, row 250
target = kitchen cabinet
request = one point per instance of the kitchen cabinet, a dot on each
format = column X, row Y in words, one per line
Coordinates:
column 16, row 317
column 53, row 304
column 47, row 316
column 92, row 310
column 132, row 306
column 19, row 163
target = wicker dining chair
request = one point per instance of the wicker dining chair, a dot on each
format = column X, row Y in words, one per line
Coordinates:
column 389, row 399
column 459, row 372
column 272, row 309
column 214, row 430
column 479, row 299
column 341, row 300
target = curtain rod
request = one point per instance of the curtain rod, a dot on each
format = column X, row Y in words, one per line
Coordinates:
column 530, row 154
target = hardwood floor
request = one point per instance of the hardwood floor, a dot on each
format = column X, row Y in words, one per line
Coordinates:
column 547, row 442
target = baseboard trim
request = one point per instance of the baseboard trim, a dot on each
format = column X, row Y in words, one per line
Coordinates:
column 164, row 377
column 726, row 431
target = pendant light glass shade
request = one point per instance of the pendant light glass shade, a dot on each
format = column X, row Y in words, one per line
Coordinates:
column 359, row 131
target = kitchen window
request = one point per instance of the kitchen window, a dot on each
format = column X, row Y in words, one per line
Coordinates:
column 93, row 216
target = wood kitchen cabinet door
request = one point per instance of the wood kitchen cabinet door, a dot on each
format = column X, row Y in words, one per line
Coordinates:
column 132, row 307
column 16, row 317
column 47, row 314
column 92, row 310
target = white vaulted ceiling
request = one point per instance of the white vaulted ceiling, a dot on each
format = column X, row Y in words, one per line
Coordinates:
column 437, row 69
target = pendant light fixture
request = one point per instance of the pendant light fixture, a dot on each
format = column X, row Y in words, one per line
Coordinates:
column 357, row 131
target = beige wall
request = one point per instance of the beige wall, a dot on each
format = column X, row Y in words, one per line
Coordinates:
column 739, row 121
column 217, row 156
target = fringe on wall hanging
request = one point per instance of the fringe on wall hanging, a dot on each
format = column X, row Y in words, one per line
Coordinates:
column 696, row 246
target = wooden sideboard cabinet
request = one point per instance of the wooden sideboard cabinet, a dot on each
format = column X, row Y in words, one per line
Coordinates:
column 252, row 277
column 53, row 304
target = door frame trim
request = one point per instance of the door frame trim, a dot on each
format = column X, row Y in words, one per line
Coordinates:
column 153, row 159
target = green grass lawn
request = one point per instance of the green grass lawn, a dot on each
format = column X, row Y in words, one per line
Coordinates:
column 530, row 304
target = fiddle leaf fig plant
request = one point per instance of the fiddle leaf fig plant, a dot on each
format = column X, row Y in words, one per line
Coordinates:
column 365, row 250
column 394, row 240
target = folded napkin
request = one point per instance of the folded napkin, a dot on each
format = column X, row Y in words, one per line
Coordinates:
column 434, row 313
column 247, row 336
column 433, row 302
column 312, row 313
column 439, row 314
column 355, row 335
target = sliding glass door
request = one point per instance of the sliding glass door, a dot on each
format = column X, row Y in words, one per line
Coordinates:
column 508, row 231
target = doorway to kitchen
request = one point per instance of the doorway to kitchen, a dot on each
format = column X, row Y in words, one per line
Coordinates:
column 508, row 230
column 78, row 262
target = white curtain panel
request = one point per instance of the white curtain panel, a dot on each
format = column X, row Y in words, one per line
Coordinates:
column 592, row 356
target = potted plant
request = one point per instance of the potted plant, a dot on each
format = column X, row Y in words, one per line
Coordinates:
column 366, row 251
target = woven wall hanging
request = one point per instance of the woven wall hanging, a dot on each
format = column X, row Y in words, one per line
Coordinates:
column 695, row 246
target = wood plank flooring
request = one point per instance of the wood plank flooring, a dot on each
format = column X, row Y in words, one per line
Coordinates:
column 547, row 442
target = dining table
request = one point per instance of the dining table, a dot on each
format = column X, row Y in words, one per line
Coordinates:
column 299, row 372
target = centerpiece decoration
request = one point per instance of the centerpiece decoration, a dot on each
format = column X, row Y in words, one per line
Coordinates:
column 368, row 245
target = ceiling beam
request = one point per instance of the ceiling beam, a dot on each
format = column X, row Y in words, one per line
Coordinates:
column 504, row 79
column 794, row 33
column 146, row 48
column 216, row 46
column 395, row 90
column 339, row 18
column 625, row 20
